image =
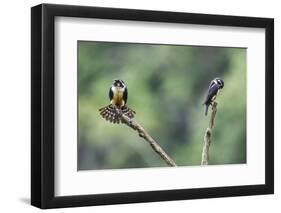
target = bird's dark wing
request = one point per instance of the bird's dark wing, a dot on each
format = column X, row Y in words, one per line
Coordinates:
column 213, row 90
column 110, row 94
column 211, row 84
column 125, row 95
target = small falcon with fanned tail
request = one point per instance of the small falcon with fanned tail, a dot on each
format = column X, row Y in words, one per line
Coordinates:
column 118, row 95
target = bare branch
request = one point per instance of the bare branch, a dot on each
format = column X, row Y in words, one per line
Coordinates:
column 213, row 115
column 207, row 136
column 142, row 133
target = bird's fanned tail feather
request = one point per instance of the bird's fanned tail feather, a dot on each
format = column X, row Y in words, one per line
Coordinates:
column 128, row 112
column 109, row 113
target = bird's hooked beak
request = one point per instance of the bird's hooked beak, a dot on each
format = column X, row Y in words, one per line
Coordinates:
column 117, row 83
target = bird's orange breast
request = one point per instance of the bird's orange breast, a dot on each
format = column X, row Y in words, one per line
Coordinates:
column 118, row 98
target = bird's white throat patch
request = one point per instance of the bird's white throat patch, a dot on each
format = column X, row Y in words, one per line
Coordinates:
column 117, row 89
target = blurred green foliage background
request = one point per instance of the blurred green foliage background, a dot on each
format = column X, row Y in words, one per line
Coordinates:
column 167, row 86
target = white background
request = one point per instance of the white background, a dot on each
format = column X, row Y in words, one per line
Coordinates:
column 15, row 106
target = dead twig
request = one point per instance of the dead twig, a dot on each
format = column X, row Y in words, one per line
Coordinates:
column 208, row 135
column 142, row 133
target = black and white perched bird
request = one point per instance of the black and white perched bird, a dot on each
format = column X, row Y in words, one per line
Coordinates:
column 118, row 95
column 215, row 86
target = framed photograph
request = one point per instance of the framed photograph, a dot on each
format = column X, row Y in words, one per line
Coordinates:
column 139, row 106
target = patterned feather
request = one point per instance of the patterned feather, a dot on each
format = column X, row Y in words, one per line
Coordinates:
column 109, row 114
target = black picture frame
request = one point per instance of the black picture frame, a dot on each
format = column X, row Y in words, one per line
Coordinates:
column 43, row 105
